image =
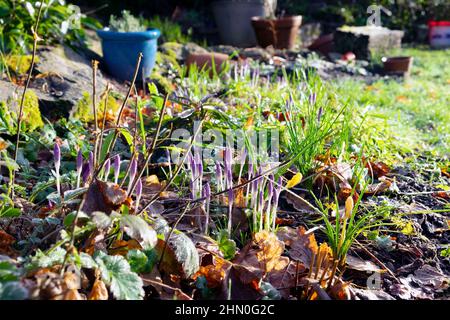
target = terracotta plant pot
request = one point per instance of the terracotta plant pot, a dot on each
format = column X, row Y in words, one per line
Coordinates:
column 207, row 60
column 280, row 33
column 397, row 65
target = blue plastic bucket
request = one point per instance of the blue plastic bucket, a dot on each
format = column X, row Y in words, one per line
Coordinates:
column 121, row 50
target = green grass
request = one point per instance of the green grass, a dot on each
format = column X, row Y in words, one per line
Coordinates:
column 408, row 117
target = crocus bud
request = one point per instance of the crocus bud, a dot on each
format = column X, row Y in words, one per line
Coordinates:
column 133, row 168
column 85, row 172
column 319, row 114
column 133, row 171
column 139, row 189
column 106, row 169
column 138, row 192
column 243, row 156
column 349, row 204
column 116, row 167
column 312, row 98
column 57, row 156
column 206, row 191
column 219, row 177
column 278, row 190
column 228, row 156
column 79, row 161
column 270, row 189
column 91, row 162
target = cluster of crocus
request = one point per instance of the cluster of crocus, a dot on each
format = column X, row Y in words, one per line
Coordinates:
column 207, row 195
column 85, row 171
column 264, row 193
column 195, row 166
column 241, row 71
column 132, row 175
column 228, row 164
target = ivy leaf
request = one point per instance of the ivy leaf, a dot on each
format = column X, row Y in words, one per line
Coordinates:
column 139, row 230
column 13, row 290
column 116, row 273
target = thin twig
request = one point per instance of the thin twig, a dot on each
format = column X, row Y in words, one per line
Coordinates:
column 94, row 109
column 102, row 129
column 27, row 84
column 122, row 107
column 152, row 148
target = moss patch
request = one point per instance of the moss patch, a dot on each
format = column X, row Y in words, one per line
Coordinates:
column 19, row 64
column 83, row 110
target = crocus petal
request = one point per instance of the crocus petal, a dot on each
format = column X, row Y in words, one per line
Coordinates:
column 79, row 161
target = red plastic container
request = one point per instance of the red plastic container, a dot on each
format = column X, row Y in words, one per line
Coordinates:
column 439, row 34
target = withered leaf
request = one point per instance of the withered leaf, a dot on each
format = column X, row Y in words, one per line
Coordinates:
column 377, row 169
column 303, row 246
column 180, row 257
column 105, row 197
column 361, row 265
column 284, row 280
column 99, row 291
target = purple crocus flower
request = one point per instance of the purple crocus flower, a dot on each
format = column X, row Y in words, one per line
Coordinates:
column 261, row 208
column 85, row 172
column 106, row 169
column 79, row 166
column 312, row 98
column 133, row 171
column 276, row 196
column 91, row 162
column 138, row 192
column 79, row 161
column 57, row 158
column 116, row 167
column 270, row 192
column 319, row 115
column 206, row 193
column 219, row 177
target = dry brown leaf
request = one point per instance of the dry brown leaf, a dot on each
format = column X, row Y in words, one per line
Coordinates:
column 105, row 197
column 303, row 247
column 270, row 251
column 214, row 273
column 72, row 294
column 376, row 188
column 377, row 169
column 99, row 291
column 121, row 247
column 355, row 263
column 6, row 242
column 284, row 280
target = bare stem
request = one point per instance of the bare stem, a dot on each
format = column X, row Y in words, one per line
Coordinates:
column 27, row 84
column 94, row 109
column 152, row 148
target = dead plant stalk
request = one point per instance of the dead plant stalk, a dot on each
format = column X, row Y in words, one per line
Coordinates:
column 36, row 39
